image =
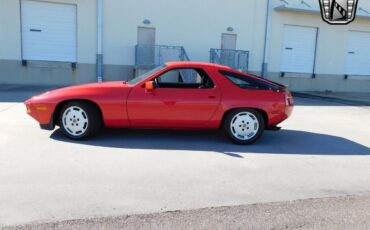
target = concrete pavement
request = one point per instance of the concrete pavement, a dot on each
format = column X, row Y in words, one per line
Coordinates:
column 323, row 151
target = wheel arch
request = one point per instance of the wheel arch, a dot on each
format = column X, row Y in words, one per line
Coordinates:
column 261, row 111
column 61, row 104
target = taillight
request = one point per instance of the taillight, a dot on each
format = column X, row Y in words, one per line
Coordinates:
column 288, row 98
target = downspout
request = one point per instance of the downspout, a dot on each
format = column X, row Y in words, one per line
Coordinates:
column 266, row 50
column 99, row 53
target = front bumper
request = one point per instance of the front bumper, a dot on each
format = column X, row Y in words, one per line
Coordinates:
column 50, row 125
column 41, row 113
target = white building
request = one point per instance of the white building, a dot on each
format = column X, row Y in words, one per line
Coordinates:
column 59, row 42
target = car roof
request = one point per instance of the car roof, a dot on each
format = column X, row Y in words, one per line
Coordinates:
column 180, row 64
column 195, row 64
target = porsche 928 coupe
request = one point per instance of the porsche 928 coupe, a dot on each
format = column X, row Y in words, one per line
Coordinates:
column 177, row 95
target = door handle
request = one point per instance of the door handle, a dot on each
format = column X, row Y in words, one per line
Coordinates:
column 35, row 30
column 212, row 97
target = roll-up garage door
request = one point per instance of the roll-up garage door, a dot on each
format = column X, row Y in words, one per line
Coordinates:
column 299, row 49
column 358, row 53
column 49, row 31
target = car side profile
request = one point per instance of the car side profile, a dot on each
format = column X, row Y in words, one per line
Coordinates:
column 177, row 95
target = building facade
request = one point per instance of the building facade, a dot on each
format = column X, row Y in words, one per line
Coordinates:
column 61, row 42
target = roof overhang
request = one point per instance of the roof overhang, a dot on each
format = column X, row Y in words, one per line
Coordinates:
column 305, row 8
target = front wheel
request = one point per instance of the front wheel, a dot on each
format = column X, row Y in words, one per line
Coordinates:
column 79, row 120
column 244, row 126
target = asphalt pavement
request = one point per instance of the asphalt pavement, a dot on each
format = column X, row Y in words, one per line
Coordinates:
column 322, row 151
column 346, row 212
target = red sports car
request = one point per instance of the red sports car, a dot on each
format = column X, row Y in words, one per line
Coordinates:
column 177, row 95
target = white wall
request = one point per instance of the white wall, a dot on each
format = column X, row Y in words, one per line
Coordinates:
column 196, row 25
column 10, row 31
column 332, row 40
column 86, row 31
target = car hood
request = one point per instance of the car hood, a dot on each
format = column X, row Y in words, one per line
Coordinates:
column 84, row 90
column 96, row 85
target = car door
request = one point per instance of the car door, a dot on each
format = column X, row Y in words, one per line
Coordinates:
column 182, row 98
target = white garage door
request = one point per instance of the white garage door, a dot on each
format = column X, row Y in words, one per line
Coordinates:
column 49, row 31
column 358, row 54
column 299, row 49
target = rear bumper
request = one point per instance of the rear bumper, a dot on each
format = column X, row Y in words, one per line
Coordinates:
column 280, row 115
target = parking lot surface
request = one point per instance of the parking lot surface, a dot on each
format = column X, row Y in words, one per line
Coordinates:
column 322, row 151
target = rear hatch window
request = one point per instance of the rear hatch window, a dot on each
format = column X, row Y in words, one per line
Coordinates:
column 251, row 83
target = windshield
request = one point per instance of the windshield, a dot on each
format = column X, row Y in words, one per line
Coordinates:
column 145, row 75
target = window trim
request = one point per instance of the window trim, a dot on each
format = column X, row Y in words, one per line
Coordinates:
column 264, row 85
column 200, row 71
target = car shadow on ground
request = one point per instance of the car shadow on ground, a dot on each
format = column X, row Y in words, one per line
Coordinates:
column 281, row 142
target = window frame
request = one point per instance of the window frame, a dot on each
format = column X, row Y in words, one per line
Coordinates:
column 199, row 71
column 259, row 84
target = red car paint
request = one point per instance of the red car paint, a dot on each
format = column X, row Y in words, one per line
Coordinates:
column 130, row 106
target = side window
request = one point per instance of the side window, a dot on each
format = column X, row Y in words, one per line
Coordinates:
column 184, row 78
column 245, row 82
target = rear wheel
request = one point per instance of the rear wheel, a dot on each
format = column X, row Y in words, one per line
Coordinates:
column 244, row 126
column 79, row 120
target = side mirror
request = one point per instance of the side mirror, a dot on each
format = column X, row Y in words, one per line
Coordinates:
column 149, row 86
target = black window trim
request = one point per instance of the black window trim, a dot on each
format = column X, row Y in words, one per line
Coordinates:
column 199, row 70
column 261, row 84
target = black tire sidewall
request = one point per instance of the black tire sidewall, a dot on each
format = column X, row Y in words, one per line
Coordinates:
column 227, row 129
column 93, row 117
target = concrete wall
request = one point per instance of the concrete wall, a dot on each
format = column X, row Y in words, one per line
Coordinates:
column 177, row 23
column 10, row 31
column 196, row 25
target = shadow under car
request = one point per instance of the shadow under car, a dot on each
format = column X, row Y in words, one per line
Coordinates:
column 281, row 142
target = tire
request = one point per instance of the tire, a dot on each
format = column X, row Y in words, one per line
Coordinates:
column 244, row 126
column 79, row 120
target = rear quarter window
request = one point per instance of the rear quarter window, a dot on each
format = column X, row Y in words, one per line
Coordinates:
column 246, row 82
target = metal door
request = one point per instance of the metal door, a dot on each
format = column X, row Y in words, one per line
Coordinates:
column 146, row 45
column 228, row 47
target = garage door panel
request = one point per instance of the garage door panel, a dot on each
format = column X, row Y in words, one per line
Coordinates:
column 358, row 53
column 54, row 34
column 299, row 49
